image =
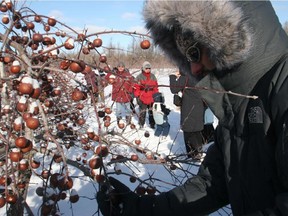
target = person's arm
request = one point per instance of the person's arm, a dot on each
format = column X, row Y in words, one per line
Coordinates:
column 200, row 195
column 137, row 90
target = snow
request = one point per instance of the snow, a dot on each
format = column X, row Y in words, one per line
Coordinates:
column 158, row 175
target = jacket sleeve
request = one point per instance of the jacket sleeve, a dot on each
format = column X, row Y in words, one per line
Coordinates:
column 137, row 90
column 199, row 195
column 177, row 84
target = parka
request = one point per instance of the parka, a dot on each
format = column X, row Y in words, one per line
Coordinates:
column 247, row 166
column 146, row 85
column 122, row 87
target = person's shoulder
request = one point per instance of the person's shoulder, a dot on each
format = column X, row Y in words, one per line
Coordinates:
column 139, row 76
column 153, row 76
column 127, row 73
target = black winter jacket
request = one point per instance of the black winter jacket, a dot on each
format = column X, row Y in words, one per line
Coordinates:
column 247, row 166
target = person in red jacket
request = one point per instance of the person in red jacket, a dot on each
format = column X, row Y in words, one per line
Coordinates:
column 121, row 81
column 146, row 85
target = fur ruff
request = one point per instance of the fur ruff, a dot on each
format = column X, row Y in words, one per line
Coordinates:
column 218, row 25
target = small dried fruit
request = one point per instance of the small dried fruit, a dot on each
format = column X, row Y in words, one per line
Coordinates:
column 145, row 44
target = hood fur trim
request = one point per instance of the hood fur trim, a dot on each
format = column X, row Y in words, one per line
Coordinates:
column 218, row 25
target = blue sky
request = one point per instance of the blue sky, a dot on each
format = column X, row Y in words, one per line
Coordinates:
column 125, row 15
column 281, row 8
column 117, row 14
column 97, row 15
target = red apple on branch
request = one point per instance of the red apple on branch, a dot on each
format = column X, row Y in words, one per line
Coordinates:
column 145, row 44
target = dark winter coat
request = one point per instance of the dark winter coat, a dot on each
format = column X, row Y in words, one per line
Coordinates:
column 192, row 108
column 146, row 85
column 122, row 88
column 247, row 166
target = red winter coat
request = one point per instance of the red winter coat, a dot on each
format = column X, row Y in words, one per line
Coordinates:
column 122, row 87
column 145, row 87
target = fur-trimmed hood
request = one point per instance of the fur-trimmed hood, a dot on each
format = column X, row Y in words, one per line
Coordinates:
column 245, row 39
column 229, row 29
column 218, row 25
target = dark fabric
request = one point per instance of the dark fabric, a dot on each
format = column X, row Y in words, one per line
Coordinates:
column 165, row 110
column 254, row 177
column 177, row 100
column 282, row 203
column 143, row 108
column 122, row 201
column 193, row 142
column 208, row 133
column 247, row 165
column 192, row 109
column 199, row 195
column 158, row 97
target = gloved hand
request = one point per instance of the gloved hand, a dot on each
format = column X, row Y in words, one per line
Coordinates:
column 118, row 200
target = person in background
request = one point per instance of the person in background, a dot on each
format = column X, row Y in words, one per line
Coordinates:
column 122, row 82
column 146, row 85
column 237, row 52
column 160, row 115
column 191, row 114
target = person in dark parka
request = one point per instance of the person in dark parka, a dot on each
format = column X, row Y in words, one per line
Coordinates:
column 238, row 53
column 191, row 114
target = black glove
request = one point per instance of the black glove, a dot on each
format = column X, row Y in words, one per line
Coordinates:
column 117, row 201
